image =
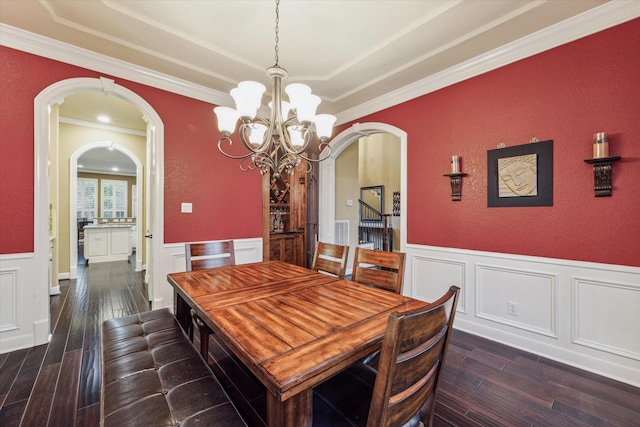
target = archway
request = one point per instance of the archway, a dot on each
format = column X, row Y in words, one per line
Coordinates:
column 73, row 181
column 327, row 179
column 55, row 94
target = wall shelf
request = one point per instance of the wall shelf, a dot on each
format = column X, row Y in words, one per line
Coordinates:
column 602, row 174
column 456, row 185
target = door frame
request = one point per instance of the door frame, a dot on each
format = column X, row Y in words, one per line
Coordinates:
column 73, row 215
column 327, row 178
column 55, row 94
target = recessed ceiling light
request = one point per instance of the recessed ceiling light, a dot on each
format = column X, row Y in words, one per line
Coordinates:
column 104, row 119
column 80, row 166
column 115, row 169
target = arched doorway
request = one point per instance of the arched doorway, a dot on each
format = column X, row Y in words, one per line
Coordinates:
column 327, row 178
column 55, row 94
column 73, row 181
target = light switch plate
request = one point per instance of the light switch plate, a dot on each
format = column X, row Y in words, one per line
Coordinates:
column 187, row 208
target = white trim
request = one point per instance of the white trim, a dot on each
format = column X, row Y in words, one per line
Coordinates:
column 73, row 182
column 327, row 177
column 53, row 49
column 50, row 95
column 101, row 126
column 590, row 22
column 597, row 19
column 552, row 321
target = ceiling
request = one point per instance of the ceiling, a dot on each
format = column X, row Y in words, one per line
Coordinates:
column 349, row 51
column 103, row 160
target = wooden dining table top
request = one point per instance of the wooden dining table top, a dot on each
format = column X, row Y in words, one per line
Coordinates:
column 293, row 327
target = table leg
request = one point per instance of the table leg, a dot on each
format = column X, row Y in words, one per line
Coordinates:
column 182, row 311
column 297, row 411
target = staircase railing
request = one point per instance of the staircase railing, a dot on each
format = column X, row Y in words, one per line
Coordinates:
column 375, row 227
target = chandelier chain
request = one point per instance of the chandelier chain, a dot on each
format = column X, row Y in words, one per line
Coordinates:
column 277, row 29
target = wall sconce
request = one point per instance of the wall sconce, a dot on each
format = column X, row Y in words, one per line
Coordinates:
column 456, row 179
column 601, row 162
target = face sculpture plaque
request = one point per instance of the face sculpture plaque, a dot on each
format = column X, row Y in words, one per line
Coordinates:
column 518, row 176
column 521, row 175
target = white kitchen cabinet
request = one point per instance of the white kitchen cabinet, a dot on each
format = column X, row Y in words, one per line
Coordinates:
column 107, row 243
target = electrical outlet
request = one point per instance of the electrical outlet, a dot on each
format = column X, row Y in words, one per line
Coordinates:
column 512, row 308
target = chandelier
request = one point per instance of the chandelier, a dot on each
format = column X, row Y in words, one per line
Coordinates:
column 278, row 143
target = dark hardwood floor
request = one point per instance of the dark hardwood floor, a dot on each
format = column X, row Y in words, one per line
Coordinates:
column 58, row 384
column 484, row 383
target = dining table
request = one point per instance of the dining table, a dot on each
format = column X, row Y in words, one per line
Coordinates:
column 292, row 327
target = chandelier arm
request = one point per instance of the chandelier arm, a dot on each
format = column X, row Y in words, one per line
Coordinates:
column 263, row 162
column 291, row 161
column 323, row 147
column 232, row 156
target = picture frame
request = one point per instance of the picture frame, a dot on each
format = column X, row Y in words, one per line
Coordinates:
column 521, row 175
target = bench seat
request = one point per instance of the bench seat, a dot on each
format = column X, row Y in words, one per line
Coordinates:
column 152, row 375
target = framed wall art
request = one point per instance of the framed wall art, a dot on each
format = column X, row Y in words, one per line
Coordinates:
column 521, row 175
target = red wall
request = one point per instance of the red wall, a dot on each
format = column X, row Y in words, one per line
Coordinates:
column 226, row 202
column 565, row 94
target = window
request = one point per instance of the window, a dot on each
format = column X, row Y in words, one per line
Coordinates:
column 87, row 197
column 114, row 198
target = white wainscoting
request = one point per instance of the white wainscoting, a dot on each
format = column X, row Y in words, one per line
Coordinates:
column 173, row 261
column 21, row 319
column 582, row 314
column 24, row 303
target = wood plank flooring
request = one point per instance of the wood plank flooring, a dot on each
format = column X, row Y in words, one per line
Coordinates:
column 58, row 384
column 484, row 383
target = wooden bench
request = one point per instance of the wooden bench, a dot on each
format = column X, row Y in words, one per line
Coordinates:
column 152, row 375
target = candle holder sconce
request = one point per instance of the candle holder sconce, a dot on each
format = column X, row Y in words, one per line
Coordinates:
column 456, row 185
column 602, row 174
column 601, row 165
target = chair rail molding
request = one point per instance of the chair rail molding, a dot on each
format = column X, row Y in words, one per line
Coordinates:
column 577, row 313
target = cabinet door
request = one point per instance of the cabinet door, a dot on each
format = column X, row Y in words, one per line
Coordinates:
column 121, row 241
column 97, row 242
column 290, row 254
column 275, row 248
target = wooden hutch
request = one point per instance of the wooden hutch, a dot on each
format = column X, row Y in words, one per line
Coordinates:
column 284, row 217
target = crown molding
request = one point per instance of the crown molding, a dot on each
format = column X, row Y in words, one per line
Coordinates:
column 53, row 49
column 105, row 172
column 597, row 19
column 101, row 126
column 590, row 22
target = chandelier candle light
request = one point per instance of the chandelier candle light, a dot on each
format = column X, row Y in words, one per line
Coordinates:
column 279, row 143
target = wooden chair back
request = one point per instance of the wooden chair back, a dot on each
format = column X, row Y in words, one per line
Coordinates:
column 209, row 255
column 330, row 258
column 381, row 269
column 411, row 359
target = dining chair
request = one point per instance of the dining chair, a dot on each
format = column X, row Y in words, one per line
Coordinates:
column 381, row 269
column 209, row 255
column 403, row 390
column 330, row 258
column 200, row 256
